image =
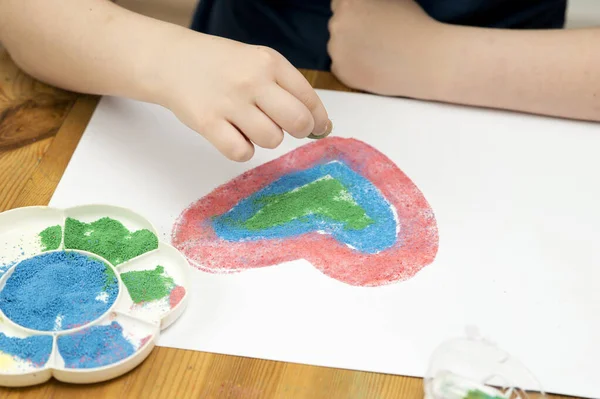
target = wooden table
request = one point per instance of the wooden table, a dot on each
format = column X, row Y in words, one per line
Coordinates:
column 40, row 127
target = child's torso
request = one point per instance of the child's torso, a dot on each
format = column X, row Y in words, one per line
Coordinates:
column 298, row 28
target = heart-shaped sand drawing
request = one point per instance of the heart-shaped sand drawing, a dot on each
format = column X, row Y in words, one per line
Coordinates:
column 338, row 203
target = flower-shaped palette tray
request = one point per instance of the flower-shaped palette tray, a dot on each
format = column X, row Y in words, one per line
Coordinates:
column 84, row 293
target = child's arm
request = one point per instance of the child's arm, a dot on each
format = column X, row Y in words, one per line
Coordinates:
column 231, row 93
column 554, row 72
column 394, row 48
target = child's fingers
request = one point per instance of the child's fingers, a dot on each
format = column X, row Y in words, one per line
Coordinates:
column 258, row 127
column 229, row 141
column 290, row 79
column 286, row 111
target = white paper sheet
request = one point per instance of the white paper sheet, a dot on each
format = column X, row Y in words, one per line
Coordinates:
column 516, row 200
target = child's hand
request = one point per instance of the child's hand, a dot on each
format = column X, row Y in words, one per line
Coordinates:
column 238, row 95
column 235, row 95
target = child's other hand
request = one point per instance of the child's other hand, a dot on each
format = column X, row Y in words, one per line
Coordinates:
column 237, row 95
column 383, row 46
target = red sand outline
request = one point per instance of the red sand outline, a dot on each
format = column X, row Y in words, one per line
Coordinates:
column 416, row 247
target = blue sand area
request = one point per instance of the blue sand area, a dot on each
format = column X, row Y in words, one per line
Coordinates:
column 95, row 346
column 35, row 349
column 58, row 290
column 329, row 198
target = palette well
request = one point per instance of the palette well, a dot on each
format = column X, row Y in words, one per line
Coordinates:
column 84, row 293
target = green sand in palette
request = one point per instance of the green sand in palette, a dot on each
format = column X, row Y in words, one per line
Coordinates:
column 152, row 290
column 51, row 238
column 148, row 285
column 108, row 238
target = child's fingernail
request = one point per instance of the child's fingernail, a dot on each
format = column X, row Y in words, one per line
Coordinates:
column 325, row 133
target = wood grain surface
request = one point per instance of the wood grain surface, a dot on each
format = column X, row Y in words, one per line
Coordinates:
column 40, row 127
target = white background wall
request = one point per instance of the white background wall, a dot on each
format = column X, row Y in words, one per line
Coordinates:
column 583, row 13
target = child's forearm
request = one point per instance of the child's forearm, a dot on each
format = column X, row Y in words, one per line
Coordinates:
column 90, row 46
column 551, row 72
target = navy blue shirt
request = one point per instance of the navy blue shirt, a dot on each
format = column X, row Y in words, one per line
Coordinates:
column 298, row 28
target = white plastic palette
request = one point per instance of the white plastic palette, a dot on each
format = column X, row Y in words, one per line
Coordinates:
column 139, row 323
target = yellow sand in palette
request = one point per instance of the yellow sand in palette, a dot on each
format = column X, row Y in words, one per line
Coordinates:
column 7, row 362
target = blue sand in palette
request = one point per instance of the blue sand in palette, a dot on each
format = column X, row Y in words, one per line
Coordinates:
column 58, row 291
column 35, row 349
column 95, row 346
column 376, row 237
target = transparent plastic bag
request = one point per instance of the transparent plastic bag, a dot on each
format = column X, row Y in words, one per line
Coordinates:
column 474, row 368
